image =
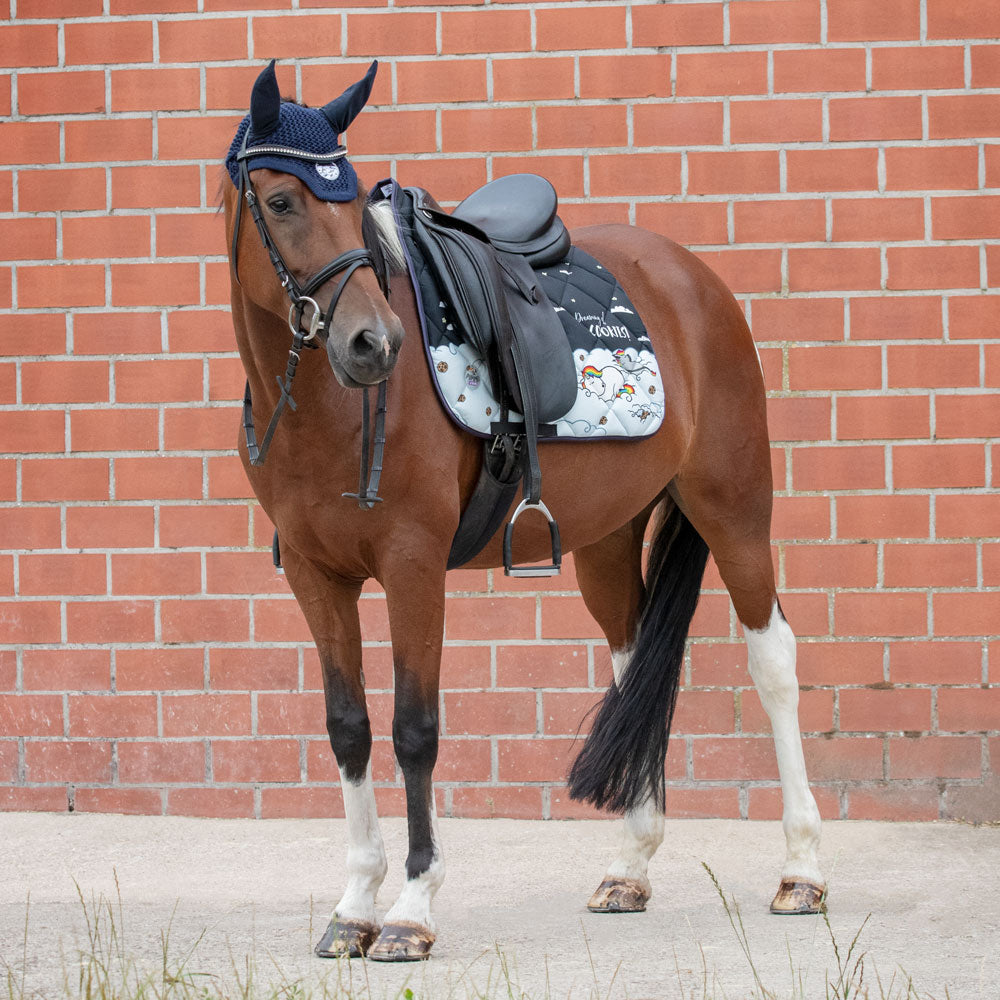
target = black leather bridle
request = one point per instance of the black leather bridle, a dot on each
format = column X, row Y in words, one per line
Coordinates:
column 320, row 323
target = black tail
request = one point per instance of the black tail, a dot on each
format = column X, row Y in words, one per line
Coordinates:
column 622, row 761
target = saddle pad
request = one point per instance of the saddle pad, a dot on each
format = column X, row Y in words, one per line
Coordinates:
column 619, row 390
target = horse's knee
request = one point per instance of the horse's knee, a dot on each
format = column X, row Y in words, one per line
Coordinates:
column 351, row 737
column 415, row 738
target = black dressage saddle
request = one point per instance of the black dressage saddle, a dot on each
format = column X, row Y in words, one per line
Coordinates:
column 483, row 256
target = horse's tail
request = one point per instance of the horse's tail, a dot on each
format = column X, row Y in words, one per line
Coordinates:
column 621, row 763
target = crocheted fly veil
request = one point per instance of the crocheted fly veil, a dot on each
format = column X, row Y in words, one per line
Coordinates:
column 282, row 135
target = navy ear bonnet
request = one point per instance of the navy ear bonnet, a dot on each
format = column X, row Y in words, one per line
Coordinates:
column 285, row 136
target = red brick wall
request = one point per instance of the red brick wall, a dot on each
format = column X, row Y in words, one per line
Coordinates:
column 838, row 161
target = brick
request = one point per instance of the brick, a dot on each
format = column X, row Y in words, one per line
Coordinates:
column 935, row 757
column 815, row 712
column 880, row 614
column 774, row 120
column 734, row 758
column 183, row 136
column 745, row 271
column 296, row 803
column 110, row 621
column 29, row 45
column 883, row 418
column 875, row 118
column 831, row 566
column 938, row 565
column 63, row 760
column 77, row 92
column 933, row 267
column 114, row 429
column 523, row 802
column 694, row 123
column 34, row 431
column 721, row 73
column 64, row 286
column 967, row 416
column 834, row 269
column 112, row 716
column 535, row 759
column 31, row 715
column 159, row 669
column 578, row 126
column 695, row 803
column 965, row 614
column 104, row 42
column 972, row 316
column 798, row 419
column 965, row 218
column 29, row 143
column 226, row 478
column 766, row 803
column 205, row 525
column 62, row 573
column 390, row 33
column 970, row 516
column 962, row 116
column 204, row 40
column 204, row 715
column 155, row 573
column 128, row 801
column 840, row 662
column 160, row 186
column 53, row 189
column 116, row 333
column 300, row 714
column 935, row 662
column 453, row 178
column 157, row 89
column 257, row 761
column 691, row 223
column 896, row 317
column 927, row 67
column 933, row 366
column 932, row 168
column 749, row 172
column 64, row 382
column 486, row 128
column 801, row 221
column 859, row 21
column 836, row 367
column 564, row 172
column 29, row 239
column 961, row 20
column 797, row 319
column 210, row 620
column 931, row 466
column 119, row 526
column 894, row 802
column 805, row 71
column 234, row 669
column 527, row 79
column 624, row 76
column 62, row 669
column 490, row 713
column 59, row 479
column 985, row 66
column 143, row 762
column 677, row 24
column 220, row 803
column 969, row 709
column 878, row 219
column 558, row 28
column 888, row 710
column 441, row 80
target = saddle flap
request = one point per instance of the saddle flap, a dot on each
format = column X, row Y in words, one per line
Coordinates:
column 518, row 214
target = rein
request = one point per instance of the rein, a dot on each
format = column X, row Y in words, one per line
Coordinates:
column 319, row 322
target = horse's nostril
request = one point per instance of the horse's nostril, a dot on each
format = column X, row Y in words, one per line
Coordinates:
column 366, row 345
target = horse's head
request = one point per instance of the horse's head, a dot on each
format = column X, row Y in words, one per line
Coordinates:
column 315, row 244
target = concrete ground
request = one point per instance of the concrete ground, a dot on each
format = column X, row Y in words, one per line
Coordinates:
column 511, row 915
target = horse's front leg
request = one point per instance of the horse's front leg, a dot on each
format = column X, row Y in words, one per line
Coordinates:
column 330, row 606
column 416, row 620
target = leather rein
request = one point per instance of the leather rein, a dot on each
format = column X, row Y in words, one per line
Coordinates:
column 319, row 323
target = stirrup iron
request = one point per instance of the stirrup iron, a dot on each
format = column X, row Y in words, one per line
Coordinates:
column 554, row 567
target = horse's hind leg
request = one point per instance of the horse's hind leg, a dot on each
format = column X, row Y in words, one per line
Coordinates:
column 733, row 514
column 330, row 607
column 610, row 578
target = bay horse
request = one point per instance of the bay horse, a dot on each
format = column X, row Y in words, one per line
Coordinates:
column 703, row 481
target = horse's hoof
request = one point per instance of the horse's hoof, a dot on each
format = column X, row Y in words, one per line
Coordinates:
column 402, row 941
column 795, row 897
column 346, row 938
column 619, row 895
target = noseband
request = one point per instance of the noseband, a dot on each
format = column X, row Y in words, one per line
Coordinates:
column 319, row 322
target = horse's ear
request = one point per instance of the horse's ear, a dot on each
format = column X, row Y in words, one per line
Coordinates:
column 341, row 111
column 265, row 103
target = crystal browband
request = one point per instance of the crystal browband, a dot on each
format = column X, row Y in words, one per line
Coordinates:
column 299, row 154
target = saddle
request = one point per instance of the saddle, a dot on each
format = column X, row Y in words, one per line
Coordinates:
column 482, row 257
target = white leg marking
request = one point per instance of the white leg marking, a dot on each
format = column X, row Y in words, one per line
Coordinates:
column 414, row 902
column 772, row 667
column 643, row 826
column 366, row 863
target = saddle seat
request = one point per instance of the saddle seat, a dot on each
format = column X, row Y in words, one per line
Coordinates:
column 518, row 214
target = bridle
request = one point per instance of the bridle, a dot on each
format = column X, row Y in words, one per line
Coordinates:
column 319, row 322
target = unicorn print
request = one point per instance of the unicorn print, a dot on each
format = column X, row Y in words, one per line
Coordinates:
column 607, row 383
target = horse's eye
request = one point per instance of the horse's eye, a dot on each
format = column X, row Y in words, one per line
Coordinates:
column 279, row 205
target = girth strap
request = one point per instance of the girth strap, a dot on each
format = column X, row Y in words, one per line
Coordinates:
column 367, row 496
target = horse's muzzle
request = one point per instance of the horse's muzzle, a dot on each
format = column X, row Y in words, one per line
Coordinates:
column 365, row 357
